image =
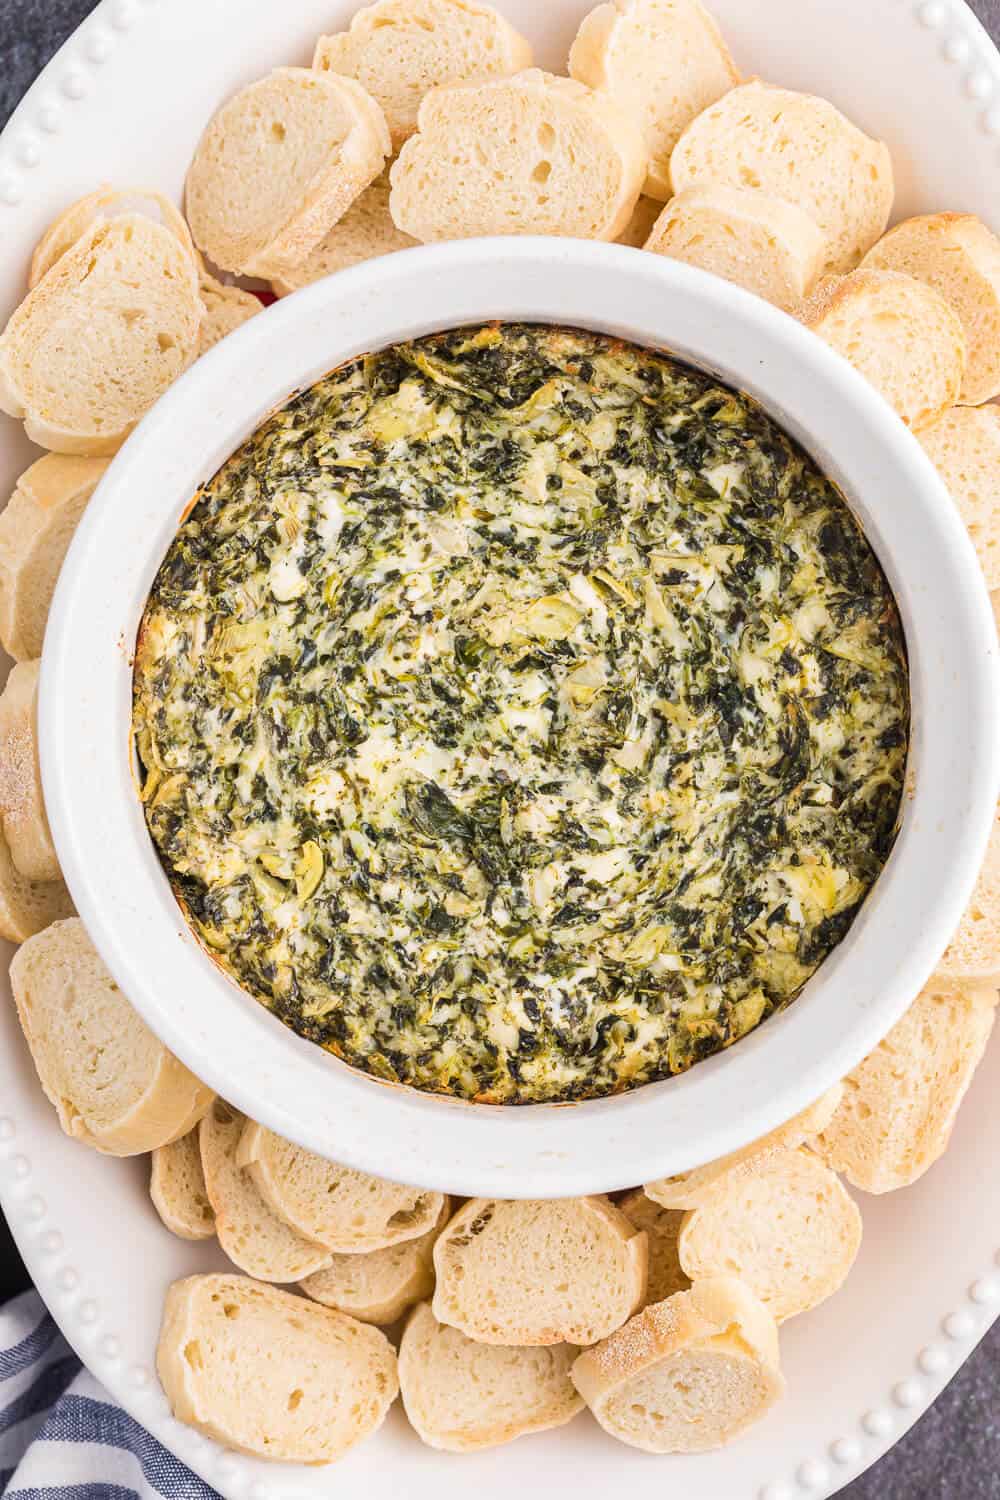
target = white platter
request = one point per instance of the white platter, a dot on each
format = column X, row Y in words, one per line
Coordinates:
column 125, row 100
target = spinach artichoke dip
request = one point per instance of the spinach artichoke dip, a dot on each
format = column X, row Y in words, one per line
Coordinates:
column 520, row 715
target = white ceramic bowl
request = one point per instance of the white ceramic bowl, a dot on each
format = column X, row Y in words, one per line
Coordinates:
column 538, row 1150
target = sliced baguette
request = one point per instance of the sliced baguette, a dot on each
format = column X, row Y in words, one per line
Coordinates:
column 101, row 337
column 106, row 203
column 26, row 906
column 688, row 1189
column 688, row 1374
column 36, row 528
column 177, row 1188
column 347, row 1211
column 663, row 60
column 226, row 308
column 900, row 334
column 960, row 258
column 365, row 231
column 270, row 1374
column 661, row 1226
column 278, row 165
column 533, row 154
column 640, row 225
column 253, row 1237
column 783, row 1223
column 759, row 242
column 899, row 1105
column 113, row 1083
column 797, row 147
column 964, row 446
column 401, row 49
column 461, row 1396
column 378, row 1287
column 972, row 958
column 22, row 806
column 533, row 1272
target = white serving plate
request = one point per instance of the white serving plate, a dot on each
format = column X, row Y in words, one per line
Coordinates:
column 126, row 100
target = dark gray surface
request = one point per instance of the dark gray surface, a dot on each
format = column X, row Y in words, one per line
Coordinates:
column 953, row 1453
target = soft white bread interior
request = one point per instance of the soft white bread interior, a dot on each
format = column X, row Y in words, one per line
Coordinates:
column 798, row 147
column 22, row 806
column 760, row 242
column 365, row 231
column 253, row 1237
column 460, row 1395
column 177, row 1188
column 401, row 49
column 100, row 338
column 900, row 334
column 36, row 528
column 345, row 1210
column 900, row 1104
column 964, row 446
column 536, row 1272
column 688, row 1374
column 688, row 1189
column 98, row 207
column 973, row 955
column 662, row 1227
column 532, row 154
column 226, row 308
column 379, row 1286
column 113, row 1083
column 26, row 906
column 783, row 1223
column 278, row 165
column 663, row 60
column 268, row 1373
column 959, row 257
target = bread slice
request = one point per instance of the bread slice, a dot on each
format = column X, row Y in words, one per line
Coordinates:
column 900, row 1104
column 36, row 528
column 797, row 147
column 347, row 1211
column 177, row 1188
column 972, row 958
column 106, row 330
column 640, row 225
column 226, row 308
column 106, row 203
column 401, row 49
column 689, row 1189
column 253, row 1237
column 26, row 906
column 661, row 1226
column 959, row 257
column 536, row 1272
column 533, row 154
column 22, row 806
column 964, row 446
column 663, row 60
column 783, row 1223
column 760, row 242
column 113, row 1083
column 365, row 231
column 270, row 1374
column 278, row 165
column 460, row 1395
column 688, row 1374
column 380, row 1286
column 900, row 334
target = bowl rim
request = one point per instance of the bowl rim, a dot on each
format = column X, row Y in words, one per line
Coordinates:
column 537, row 1150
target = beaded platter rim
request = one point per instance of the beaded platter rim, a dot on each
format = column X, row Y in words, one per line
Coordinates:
column 73, row 75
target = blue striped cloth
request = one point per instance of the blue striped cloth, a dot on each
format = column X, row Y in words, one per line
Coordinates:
column 61, row 1436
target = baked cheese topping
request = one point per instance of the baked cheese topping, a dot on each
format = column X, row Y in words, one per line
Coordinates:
column 521, row 715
